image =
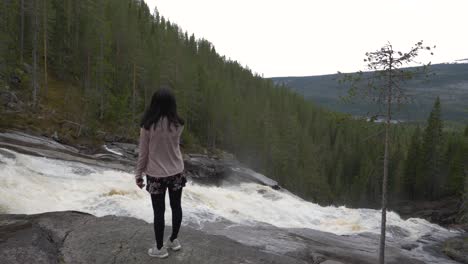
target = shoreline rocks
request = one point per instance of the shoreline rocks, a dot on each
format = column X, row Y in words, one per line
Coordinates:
column 122, row 156
column 445, row 212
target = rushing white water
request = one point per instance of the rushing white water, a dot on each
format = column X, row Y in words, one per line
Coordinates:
column 33, row 185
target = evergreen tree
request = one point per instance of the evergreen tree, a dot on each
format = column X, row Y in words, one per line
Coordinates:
column 413, row 184
column 383, row 86
column 432, row 152
column 9, row 28
column 457, row 165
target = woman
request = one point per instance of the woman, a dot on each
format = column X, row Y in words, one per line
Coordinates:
column 161, row 160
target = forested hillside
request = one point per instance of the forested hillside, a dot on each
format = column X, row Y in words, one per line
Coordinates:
column 87, row 69
column 447, row 81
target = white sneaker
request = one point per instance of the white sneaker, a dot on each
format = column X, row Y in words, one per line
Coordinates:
column 174, row 245
column 158, row 253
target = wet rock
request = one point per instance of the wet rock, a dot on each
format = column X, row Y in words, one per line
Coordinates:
column 409, row 246
column 457, row 248
column 397, row 231
column 7, row 154
column 204, row 169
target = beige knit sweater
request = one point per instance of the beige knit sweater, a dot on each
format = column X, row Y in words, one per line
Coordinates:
column 159, row 151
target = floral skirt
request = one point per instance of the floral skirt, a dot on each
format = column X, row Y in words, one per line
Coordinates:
column 157, row 185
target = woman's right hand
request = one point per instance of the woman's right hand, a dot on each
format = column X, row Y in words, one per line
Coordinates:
column 139, row 183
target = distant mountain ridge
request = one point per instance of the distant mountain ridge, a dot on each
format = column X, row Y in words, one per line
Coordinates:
column 462, row 61
column 450, row 83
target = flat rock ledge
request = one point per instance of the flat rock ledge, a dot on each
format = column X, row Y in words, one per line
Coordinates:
column 75, row 237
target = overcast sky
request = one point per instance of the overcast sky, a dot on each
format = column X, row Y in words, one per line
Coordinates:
column 308, row 37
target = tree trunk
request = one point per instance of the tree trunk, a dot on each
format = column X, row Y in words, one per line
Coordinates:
column 34, row 55
column 101, row 81
column 22, row 33
column 68, row 16
column 88, row 71
column 145, row 96
column 134, row 92
column 46, row 88
column 77, row 24
column 385, row 173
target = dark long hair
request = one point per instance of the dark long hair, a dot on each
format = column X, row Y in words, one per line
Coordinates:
column 163, row 104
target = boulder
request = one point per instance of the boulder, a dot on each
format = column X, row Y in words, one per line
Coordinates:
column 409, row 246
column 205, row 169
column 10, row 101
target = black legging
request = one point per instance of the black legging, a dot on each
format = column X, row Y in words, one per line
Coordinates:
column 159, row 207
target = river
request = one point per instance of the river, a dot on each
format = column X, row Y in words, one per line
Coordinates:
column 30, row 184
